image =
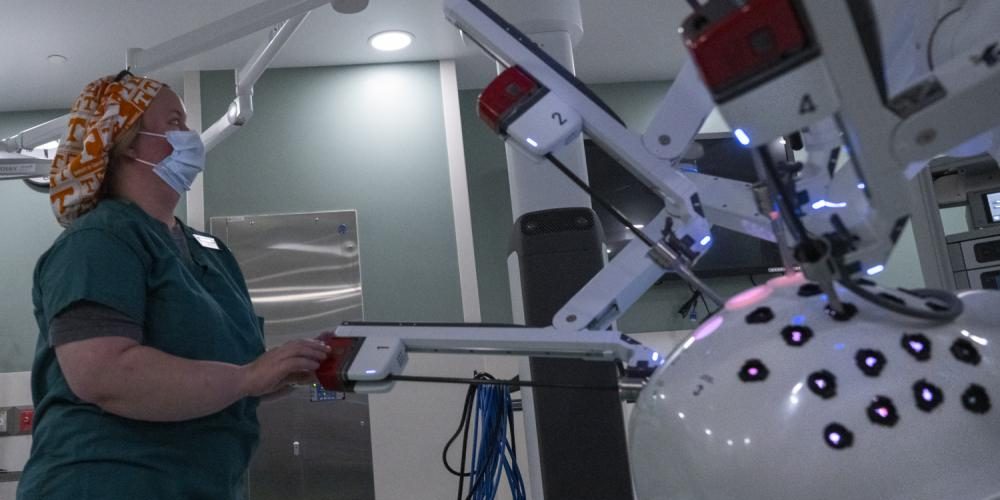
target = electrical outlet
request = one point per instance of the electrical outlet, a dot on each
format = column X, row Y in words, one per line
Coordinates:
column 25, row 419
column 15, row 420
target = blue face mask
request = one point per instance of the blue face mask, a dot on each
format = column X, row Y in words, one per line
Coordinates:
column 185, row 162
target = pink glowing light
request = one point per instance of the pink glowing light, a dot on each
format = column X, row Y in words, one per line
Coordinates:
column 753, row 372
column 797, row 336
column 835, row 438
column 883, row 412
column 795, row 279
column 708, row 328
column 927, row 395
column 820, row 383
column 916, row 346
column 748, row 298
column 870, row 361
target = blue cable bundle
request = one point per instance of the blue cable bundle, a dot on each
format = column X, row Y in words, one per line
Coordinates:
column 493, row 449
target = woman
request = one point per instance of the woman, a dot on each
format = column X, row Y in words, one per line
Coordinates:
column 150, row 359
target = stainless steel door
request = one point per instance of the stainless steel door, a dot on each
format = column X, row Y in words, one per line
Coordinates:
column 303, row 270
column 304, row 276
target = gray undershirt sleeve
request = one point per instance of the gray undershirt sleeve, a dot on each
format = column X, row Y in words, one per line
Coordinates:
column 86, row 320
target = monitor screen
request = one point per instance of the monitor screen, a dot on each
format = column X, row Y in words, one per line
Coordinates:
column 993, row 206
column 731, row 253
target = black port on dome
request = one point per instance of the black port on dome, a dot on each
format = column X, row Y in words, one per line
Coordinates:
column 975, row 399
column 753, row 370
column 870, row 362
column 918, row 345
column 822, row 384
column 837, row 436
column 760, row 316
column 882, row 412
column 796, row 336
column 927, row 395
column 964, row 351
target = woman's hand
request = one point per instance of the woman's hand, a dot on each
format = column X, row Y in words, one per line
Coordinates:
column 293, row 362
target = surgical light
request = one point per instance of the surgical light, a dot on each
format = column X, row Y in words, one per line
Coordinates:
column 706, row 240
column 872, row 271
column 16, row 166
column 388, row 41
column 742, row 137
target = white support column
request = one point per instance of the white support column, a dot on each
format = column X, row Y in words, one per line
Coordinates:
column 195, row 200
column 556, row 26
column 468, row 281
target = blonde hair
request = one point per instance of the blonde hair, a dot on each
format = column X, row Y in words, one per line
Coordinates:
column 114, row 156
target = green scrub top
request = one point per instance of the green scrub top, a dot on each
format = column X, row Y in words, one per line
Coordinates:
column 199, row 309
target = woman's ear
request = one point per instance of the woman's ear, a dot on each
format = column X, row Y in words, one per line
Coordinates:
column 129, row 150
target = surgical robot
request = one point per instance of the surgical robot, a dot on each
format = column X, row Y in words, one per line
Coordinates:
column 819, row 383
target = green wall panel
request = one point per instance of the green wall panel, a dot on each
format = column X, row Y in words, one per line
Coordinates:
column 29, row 228
column 369, row 138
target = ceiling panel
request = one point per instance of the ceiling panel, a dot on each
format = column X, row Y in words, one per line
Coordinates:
column 624, row 40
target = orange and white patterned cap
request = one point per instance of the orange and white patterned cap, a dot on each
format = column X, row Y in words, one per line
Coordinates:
column 106, row 108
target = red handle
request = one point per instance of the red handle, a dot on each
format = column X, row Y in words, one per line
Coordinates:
column 332, row 373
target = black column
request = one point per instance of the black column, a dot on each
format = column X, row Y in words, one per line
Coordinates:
column 581, row 433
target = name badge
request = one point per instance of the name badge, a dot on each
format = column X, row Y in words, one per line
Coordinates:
column 207, row 241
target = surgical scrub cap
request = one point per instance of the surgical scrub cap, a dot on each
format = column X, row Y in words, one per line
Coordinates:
column 106, row 109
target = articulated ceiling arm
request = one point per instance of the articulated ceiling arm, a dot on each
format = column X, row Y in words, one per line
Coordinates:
column 218, row 33
column 241, row 109
column 290, row 13
column 22, row 166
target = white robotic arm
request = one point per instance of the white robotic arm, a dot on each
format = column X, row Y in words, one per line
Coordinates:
column 539, row 107
column 558, row 93
column 815, row 65
column 368, row 357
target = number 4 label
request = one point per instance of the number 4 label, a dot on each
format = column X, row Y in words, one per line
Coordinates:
column 807, row 105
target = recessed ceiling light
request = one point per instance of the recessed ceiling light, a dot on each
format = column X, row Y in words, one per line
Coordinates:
column 57, row 59
column 390, row 40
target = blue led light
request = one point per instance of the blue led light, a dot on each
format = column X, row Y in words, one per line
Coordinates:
column 369, row 372
column 875, row 270
column 706, row 240
column 799, row 320
column 742, row 137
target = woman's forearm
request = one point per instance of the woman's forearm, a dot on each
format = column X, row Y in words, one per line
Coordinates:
column 139, row 382
column 144, row 383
